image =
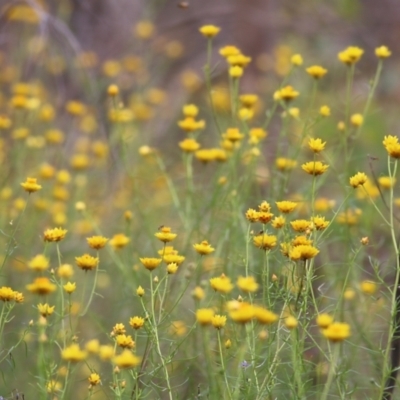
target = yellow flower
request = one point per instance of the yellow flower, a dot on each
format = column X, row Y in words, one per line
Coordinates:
column 252, row 215
column 248, row 100
column 125, row 341
column 54, row 235
column 73, row 353
column 39, row 263
column 228, row 344
column 285, row 164
column 245, row 114
column 247, row 284
column 65, row 271
column 264, row 241
column 190, row 110
column 144, row 29
column 264, row 206
column 136, row 322
column 92, row 346
column 204, row 316
column 41, row 285
column 106, row 352
column 126, row 360
column 140, row 291
column 257, row 134
column 264, row 316
column 119, row 241
column 189, row 124
column 392, row 146
column 45, row 309
column 94, row 379
column 172, row 268
column 150, row 263
column 291, row 322
column 235, row 71
column 189, row 145
column 382, row 52
column 198, row 293
column 337, row 332
column 218, row 321
column 97, row 242
column 319, row 223
column 165, row 235
column 316, row 71
column 359, row 179
column 238, row 60
column 324, row 320
column 30, row 185
column 87, row 262
column 294, row 112
column 228, row 51
column 356, row 119
column 314, row 168
column 386, row 182
column 118, row 329
column 209, row 31
column 286, row 93
column 221, row 284
column 242, row 312
column 296, row 60
column 368, row 287
column 300, row 225
column 325, row 111
column 70, row 287
column 286, row 207
column 351, row 55
column 278, row 222
column 303, row 252
column 203, row 248
column 7, row 294
column 301, row 240
column 316, row 145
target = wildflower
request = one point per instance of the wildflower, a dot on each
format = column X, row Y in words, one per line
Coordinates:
column 248, row 100
column 247, row 284
column 119, row 241
column 235, row 71
column 53, row 386
column 54, row 235
column 245, row 114
column 316, row 71
column 126, row 360
column 73, row 353
column 125, row 341
column 285, row 164
column 87, row 262
column 172, row 268
column 386, row 182
column 218, row 321
column 209, row 31
column 144, row 29
column 324, row 320
column 189, row 145
column 242, row 312
column 286, row 207
column 7, row 294
column 94, row 379
column 286, row 93
column 364, row 241
column 278, row 222
column 291, row 322
column 238, row 60
column 301, row 241
column 296, row 60
column 106, row 352
column 314, row 168
column 136, row 322
column 118, row 329
column 198, row 293
column 92, row 346
column 264, row 217
column 165, row 235
column 294, row 112
column 203, row 248
column 228, row 51
column 97, row 242
column 316, row 145
column 341, row 126
column 325, row 111
column 303, row 252
column 228, row 344
column 300, row 225
column 382, row 52
column 252, row 215
column 349, row 294
column 368, row 287
column 140, row 291
column 356, row 119
column 221, row 284
column 189, row 124
column 264, row 206
column 65, row 271
column 204, row 316
column 257, row 134
column 113, row 90
column 70, row 287
column 359, row 179
column 190, row 110
column 319, row 223
column 30, row 185
column 150, row 263
column 351, row 55
column 41, row 285
column 264, row 241
column 337, row 332
column 264, row 316
column 45, row 310
column 39, row 263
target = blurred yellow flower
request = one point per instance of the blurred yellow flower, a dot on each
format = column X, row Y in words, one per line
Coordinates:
column 382, row 52
column 30, row 185
column 209, row 31
column 337, row 332
column 73, row 353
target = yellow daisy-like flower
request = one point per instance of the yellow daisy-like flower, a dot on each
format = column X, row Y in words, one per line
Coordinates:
column 39, row 263
column 87, row 262
column 125, row 341
column 392, row 146
column 315, row 167
column 319, row 223
column 30, row 185
column 94, row 379
column 41, row 285
column 286, row 93
column 248, row 100
column 54, row 235
column 264, row 217
column 7, row 294
column 65, row 271
column 264, row 316
column 296, row 60
column 358, row 179
column 174, row 258
column 218, row 321
column 286, row 207
column 252, row 215
column 264, row 206
column 316, row 71
column 291, row 322
column 233, row 135
column 190, row 110
column 285, row 164
column 73, row 353
column 264, row 241
column 140, row 291
column 189, row 124
column 238, row 60
column 119, row 241
column 301, row 240
column 278, row 222
column 350, row 55
column 204, row 316
column 136, row 322
column 337, row 332
column 189, row 145
column 97, row 242
column 126, row 360
column 382, row 52
column 241, row 312
column 247, row 284
column 221, row 284
column 386, row 182
column 45, row 310
column 357, row 120
column 324, row 320
column 150, row 263
column 235, row 71
column 165, row 235
column 303, row 252
column 294, row 112
column 325, row 111
column 228, row 51
column 209, row 31
column 368, row 287
column 316, row 145
column 70, row 287
column 172, row 268
column 203, row 248
column 300, row 225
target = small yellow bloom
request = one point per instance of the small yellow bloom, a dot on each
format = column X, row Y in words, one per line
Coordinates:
column 172, row 268
column 356, row 120
column 39, row 263
column 316, row 71
column 165, row 235
column 106, row 352
column 218, row 321
column 140, row 291
column 264, row 316
column 252, row 215
column 7, row 294
column 189, row 145
column 198, row 293
column 30, row 185
column 294, row 112
column 228, row 51
column 337, row 332
column 118, row 329
column 73, row 353
column 136, row 322
column 65, row 271
column 300, row 225
column 278, row 222
column 350, row 55
column 92, row 346
column 241, row 312
column 235, row 71
column 324, row 320
column 368, row 287
column 296, row 60
column 319, row 223
column 94, row 379
column 54, row 235
column 97, row 242
column 87, row 262
column 203, row 248
column 325, row 111
column 113, row 90
column 125, row 341
column 285, row 164
column 359, row 179
column 247, row 284
column 70, row 287
column 286, row 207
column 45, row 310
column 264, row 241
column 221, row 284
column 204, row 316
column 126, row 360
column 386, row 182
column 41, row 285
column 119, row 241
column 286, row 93
column 316, row 145
column 228, row 344
column 382, row 52
column 150, row 263
column 315, row 167
column 291, row 322
column 303, row 252
column 248, row 100
column 209, row 31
